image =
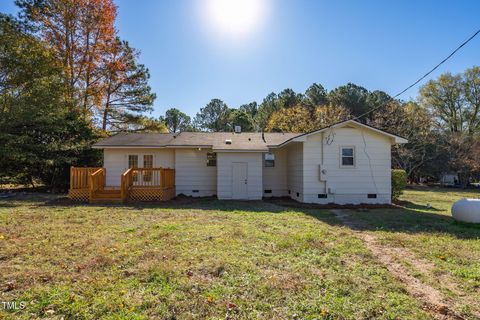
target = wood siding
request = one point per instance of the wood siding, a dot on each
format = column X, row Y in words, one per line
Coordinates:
column 192, row 173
column 295, row 170
column 348, row 185
column 275, row 178
column 254, row 173
column 116, row 161
column 312, row 186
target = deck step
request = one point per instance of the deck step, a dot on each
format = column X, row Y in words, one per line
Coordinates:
column 110, row 191
column 107, row 194
column 112, row 195
column 96, row 200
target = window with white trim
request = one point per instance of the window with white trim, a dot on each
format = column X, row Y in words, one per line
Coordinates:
column 347, row 157
column 211, row 159
column 269, row 160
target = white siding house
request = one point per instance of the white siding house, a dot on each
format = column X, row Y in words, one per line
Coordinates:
column 115, row 160
column 295, row 171
column 192, row 175
column 239, row 175
column 346, row 163
column 369, row 174
column 275, row 177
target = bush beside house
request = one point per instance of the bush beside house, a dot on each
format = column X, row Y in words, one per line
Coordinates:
column 399, row 182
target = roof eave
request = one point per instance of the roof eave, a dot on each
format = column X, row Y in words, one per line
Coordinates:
column 123, row 146
column 240, row 150
column 400, row 140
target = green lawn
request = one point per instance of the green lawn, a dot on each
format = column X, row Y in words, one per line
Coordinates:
column 212, row 259
column 425, row 227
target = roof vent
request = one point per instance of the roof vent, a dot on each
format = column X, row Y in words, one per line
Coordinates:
column 238, row 129
column 228, row 141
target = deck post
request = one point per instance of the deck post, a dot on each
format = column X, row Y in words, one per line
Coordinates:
column 71, row 177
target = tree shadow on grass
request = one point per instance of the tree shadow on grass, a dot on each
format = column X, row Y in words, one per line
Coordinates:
column 408, row 220
column 412, row 218
column 181, row 202
column 277, row 206
column 416, row 206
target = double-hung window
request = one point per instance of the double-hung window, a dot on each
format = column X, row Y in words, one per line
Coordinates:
column 347, row 157
column 211, row 159
column 269, row 160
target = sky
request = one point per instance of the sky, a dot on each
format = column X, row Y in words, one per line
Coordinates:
column 197, row 50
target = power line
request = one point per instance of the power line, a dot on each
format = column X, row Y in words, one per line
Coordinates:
column 426, row 74
column 438, row 65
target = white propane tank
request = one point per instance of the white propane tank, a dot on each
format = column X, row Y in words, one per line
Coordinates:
column 467, row 210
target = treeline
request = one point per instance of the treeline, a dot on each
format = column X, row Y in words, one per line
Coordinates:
column 442, row 124
column 286, row 111
column 66, row 80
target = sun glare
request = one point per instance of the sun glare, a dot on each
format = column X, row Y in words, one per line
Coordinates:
column 237, row 18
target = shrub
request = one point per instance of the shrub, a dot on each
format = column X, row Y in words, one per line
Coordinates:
column 399, row 182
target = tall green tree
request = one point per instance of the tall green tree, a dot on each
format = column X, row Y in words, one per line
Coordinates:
column 471, row 87
column 80, row 33
column 214, row 117
column 250, row 108
column 351, row 97
column 101, row 75
column 303, row 119
column 40, row 136
column 176, row 121
column 148, row 124
column 289, row 98
column 378, row 100
column 415, row 123
column 241, row 118
column 268, row 106
column 315, row 95
column 126, row 94
column 444, row 97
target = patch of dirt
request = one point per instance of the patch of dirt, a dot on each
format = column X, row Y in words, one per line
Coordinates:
column 432, row 300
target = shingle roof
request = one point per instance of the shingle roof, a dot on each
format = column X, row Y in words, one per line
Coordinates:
column 254, row 141
column 136, row 139
column 214, row 140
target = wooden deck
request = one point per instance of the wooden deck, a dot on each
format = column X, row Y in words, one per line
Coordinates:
column 137, row 184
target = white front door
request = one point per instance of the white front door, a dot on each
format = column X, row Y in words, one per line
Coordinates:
column 239, row 180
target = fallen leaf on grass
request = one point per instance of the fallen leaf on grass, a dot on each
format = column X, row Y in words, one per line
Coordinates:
column 231, row 306
column 9, row 286
column 50, row 311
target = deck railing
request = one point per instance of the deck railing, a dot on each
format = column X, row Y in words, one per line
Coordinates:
column 149, row 184
column 96, row 182
column 79, row 177
column 126, row 183
column 169, row 178
column 153, row 177
column 136, row 184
